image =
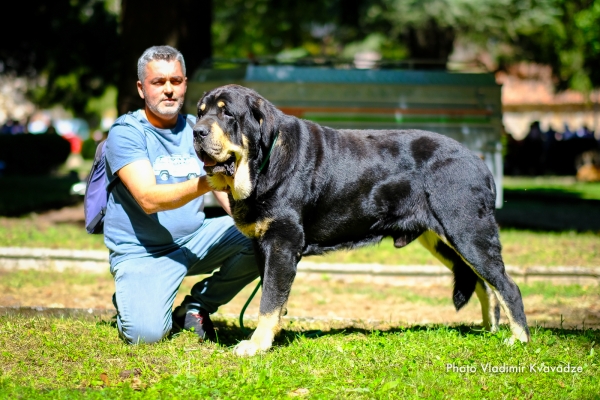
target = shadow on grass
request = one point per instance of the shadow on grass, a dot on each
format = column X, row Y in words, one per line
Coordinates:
column 25, row 194
column 548, row 210
column 230, row 334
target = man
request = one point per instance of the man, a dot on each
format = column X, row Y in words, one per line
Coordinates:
column 155, row 227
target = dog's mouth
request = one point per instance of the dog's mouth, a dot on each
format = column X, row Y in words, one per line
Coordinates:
column 212, row 167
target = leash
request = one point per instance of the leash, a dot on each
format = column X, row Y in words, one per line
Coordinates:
column 244, row 330
column 269, row 154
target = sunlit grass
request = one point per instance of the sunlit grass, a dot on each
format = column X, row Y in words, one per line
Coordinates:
column 64, row 358
column 520, row 248
column 558, row 184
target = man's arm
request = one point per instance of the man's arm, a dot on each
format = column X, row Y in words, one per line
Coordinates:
column 139, row 178
column 223, row 200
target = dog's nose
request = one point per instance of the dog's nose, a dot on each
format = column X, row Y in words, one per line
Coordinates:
column 200, row 132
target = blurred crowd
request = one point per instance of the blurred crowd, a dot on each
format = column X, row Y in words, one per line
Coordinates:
column 13, row 127
column 551, row 152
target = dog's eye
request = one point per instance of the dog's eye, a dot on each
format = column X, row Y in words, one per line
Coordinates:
column 227, row 113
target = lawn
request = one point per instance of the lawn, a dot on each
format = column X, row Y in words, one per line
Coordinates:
column 44, row 357
column 67, row 358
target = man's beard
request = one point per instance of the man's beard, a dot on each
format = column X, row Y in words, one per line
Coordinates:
column 160, row 109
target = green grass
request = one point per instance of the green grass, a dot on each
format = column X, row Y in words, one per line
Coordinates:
column 64, row 358
column 562, row 206
column 550, row 291
column 29, row 232
column 520, row 248
column 554, row 185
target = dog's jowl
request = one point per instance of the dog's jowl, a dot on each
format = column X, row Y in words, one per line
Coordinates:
column 298, row 188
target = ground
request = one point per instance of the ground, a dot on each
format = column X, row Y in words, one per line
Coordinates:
column 313, row 295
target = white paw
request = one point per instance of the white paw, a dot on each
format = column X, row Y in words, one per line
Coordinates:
column 522, row 337
column 246, row 348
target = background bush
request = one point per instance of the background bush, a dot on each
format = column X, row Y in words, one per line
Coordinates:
column 33, row 154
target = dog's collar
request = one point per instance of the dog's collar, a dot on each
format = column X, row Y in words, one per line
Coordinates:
column 269, row 154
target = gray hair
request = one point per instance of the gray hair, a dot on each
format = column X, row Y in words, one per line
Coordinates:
column 167, row 53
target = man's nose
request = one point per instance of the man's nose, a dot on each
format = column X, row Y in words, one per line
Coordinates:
column 168, row 87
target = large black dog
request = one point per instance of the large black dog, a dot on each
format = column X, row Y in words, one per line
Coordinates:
column 298, row 188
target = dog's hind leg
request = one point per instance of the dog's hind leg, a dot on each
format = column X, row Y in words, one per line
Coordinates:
column 465, row 280
column 461, row 196
column 478, row 244
column 490, row 307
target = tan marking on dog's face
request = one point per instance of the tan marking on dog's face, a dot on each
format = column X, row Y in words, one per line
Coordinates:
column 202, row 106
column 218, row 182
column 242, row 186
column 269, row 325
column 219, row 144
column 255, row 230
column 219, row 147
column 221, row 104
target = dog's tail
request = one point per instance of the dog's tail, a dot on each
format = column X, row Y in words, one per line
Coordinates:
column 464, row 277
column 464, row 284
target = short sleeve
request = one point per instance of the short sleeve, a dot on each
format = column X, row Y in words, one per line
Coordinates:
column 124, row 145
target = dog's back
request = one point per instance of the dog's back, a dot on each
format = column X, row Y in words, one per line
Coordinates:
column 358, row 186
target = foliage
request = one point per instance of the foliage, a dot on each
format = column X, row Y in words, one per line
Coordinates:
column 265, row 27
column 66, row 358
column 88, row 149
column 33, row 154
column 561, row 33
column 23, row 194
column 69, row 46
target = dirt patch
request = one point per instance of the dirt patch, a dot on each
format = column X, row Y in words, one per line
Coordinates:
column 66, row 215
column 312, row 296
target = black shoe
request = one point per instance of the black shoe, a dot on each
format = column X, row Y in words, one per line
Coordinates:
column 178, row 320
column 199, row 322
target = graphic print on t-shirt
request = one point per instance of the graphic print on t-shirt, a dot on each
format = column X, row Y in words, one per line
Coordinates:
column 177, row 166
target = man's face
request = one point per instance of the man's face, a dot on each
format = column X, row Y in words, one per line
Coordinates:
column 163, row 88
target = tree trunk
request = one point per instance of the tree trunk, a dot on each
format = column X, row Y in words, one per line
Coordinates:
column 430, row 45
column 183, row 24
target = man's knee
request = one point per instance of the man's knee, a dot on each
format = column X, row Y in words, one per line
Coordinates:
column 144, row 330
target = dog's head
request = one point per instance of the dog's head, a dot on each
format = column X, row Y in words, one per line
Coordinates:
column 234, row 127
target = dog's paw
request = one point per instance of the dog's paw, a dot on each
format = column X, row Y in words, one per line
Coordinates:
column 522, row 337
column 247, row 348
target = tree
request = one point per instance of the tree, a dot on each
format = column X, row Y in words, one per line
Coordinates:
column 66, row 45
column 183, row 24
column 564, row 34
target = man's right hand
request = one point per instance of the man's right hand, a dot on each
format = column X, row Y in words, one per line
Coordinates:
column 140, row 180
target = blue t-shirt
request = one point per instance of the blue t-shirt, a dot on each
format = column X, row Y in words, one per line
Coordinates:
column 128, row 231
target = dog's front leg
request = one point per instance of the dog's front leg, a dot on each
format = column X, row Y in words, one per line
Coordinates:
column 281, row 253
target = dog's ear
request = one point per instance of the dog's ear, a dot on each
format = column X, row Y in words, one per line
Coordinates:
column 264, row 113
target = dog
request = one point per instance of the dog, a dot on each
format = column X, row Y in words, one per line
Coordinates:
column 298, row 188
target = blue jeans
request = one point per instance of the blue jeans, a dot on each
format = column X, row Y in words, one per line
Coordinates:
column 145, row 287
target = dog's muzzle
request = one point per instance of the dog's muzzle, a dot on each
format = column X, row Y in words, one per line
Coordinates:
column 211, row 166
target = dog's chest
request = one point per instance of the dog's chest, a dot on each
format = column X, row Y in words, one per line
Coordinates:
column 249, row 221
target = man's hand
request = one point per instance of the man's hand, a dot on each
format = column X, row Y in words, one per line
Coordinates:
column 140, row 180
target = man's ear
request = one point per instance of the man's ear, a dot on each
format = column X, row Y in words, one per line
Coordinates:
column 140, row 89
